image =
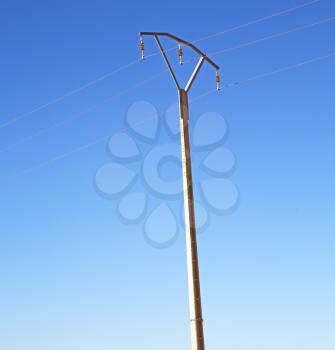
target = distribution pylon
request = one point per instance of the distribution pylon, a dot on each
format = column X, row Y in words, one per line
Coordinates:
column 196, row 319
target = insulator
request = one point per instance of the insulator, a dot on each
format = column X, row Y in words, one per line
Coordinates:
column 180, row 51
column 180, row 54
column 218, row 80
column 142, row 48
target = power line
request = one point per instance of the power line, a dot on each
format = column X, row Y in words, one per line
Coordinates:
column 68, row 94
column 259, row 20
column 281, row 70
column 102, row 103
column 56, row 100
column 38, row 166
column 274, row 36
column 80, row 114
column 69, row 153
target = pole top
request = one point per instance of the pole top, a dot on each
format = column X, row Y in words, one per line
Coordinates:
column 184, row 42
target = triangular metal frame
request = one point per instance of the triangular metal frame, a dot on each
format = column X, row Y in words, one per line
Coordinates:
column 202, row 58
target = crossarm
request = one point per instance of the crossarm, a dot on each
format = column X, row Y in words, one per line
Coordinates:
column 184, row 42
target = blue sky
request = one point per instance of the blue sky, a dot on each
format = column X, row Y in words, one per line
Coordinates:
column 72, row 276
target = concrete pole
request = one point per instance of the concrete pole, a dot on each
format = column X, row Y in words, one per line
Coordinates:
column 197, row 333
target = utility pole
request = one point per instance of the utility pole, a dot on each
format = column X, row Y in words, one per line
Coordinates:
column 197, row 332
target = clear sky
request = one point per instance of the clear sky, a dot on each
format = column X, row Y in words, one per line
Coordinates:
column 73, row 275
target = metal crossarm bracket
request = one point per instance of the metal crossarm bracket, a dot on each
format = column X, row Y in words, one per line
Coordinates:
column 184, row 42
column 167, row 62
column 194, row 74
column 202, row 59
